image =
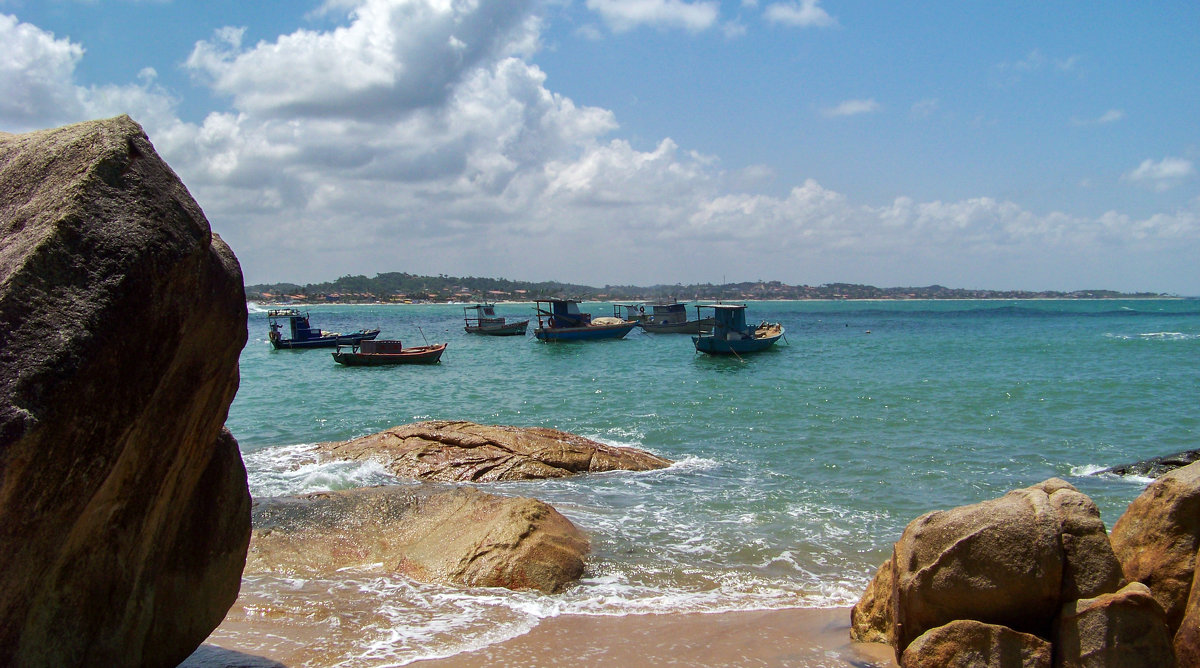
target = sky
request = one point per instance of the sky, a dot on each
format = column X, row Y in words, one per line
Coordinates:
column 1008, row 146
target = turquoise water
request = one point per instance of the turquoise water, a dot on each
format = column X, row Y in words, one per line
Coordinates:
column 796, row 468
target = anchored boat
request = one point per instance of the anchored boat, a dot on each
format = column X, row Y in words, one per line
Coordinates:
column 303, row 335
column 731, row 335
column 561, row 320
column 485, row 321
column 671, row 318
column 385, row 352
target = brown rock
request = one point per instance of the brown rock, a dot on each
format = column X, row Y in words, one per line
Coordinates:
column 1158, row 536
column 124, row 513
column 1187, row 638
column 1010, row 561
column 871, row 618
column 971, row 644
column 1127, row 629
column 456, row 451
column 450, row 535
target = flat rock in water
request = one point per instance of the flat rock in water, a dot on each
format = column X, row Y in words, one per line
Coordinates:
column 1155, row 466
column 458, row 451
column 451, row 535
column 124, row 511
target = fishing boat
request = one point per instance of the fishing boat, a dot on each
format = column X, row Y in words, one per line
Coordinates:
column 485, row 321
column 561, row 320
column 731, row 335
column 303, row 335
column 632, row 312
column 671, row 318
column 386, row 352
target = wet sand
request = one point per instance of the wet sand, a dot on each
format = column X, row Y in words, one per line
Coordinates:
column 809, row 638
column 803, row 638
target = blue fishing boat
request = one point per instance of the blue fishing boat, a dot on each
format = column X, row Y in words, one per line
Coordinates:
column 731, row 335
column 303, row 335
column 670, row 317
column 561, row 320
column 485, row 321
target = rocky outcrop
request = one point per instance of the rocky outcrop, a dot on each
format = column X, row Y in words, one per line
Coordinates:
column 1155, row 466
column 995, row 582
column 871, row 618
column 1126, row 628
column 124, row 512
column 1157, row 538
column 1011, row 561
column 455, row 451
column 452, row 535
column 970, row 644
column 1187, row 638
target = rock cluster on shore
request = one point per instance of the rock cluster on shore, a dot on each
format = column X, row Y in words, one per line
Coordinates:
column 124, row 510
column 459, row 451
column 452, row 535
column 1033, row 579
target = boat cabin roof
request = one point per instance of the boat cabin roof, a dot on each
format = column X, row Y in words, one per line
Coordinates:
column 286, row 313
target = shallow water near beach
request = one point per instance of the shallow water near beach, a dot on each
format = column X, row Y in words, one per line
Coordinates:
column 796, row 468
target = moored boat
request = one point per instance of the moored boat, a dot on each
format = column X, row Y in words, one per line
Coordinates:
column 304, row 335
column 485, row 321
column 731, row 335
column 671, row 318
column 385, row 352
column 562, row 320
column 632, row 312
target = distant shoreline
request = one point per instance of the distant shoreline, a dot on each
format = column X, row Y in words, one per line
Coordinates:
column 278, row 304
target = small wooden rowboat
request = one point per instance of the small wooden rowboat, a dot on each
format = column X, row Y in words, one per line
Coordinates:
column 381, row 353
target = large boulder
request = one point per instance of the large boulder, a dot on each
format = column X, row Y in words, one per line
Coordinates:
column 1187, row 638
column 124, row 512
column 1157, row 538
column 457, row 451
column 450, row 535
column 871, row 618
column 1011, row 561
column 1126, row 628
column 970, row 644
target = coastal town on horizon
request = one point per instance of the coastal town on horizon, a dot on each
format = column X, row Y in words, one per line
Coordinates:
column 399, row 287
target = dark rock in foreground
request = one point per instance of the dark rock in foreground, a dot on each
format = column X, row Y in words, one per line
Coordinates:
column 457, row 451
column 1155, row 466
column 452, row 535
column 124, row 512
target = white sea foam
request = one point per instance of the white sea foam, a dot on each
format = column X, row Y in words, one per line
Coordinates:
column 1155, row 336
column 296, row 469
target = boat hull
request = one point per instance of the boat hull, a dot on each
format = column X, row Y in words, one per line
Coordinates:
column 589, row 333
column 690, row 327
column 714, row 346
column 507, row 329
column 326, row 341
column 416, row 355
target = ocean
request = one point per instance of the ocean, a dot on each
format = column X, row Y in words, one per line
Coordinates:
column 796, row 468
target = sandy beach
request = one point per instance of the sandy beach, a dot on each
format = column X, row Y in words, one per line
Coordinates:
column 806, row 638
column 798, row 637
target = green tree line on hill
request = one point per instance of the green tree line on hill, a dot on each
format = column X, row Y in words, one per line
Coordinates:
column 400, row 286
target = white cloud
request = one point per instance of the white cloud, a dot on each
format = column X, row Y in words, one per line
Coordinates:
column 924, row 108
column 623, row 15
column 498, row 175
column 805, row 14
column 35, row 76
column 392, row 58
column 852, row 108
column 1162, row 175
column 1110, row 116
